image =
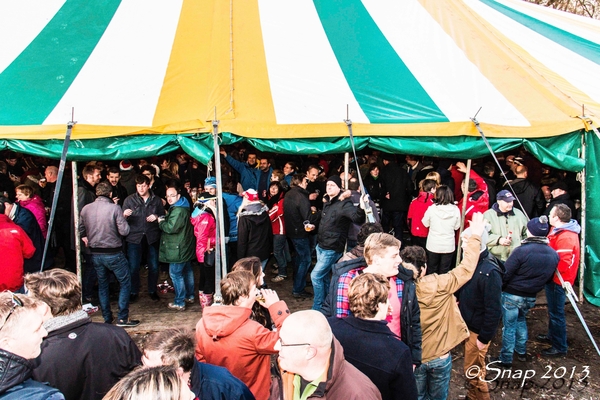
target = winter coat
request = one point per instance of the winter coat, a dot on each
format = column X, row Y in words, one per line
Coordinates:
column 37, row 208
column 276, row 216
column 210, row 382
column 441, row 322
column 205, row 230
column 344, row 381
column 478, row 200
column 72, row 354
column 375, row 188
column 296, row 209
column 255, row 236
column 501, row 225
column 529, row 267
column 227, row 337
column 336, row 217
column 177, row 241
column 248, row 175
column 26, row 220
column 442, row 221
column 416, row 212
column 16, row 382
column 398, row 185
column 410, row 315
column 529, row 195
column 103, row 223
column 378, row 353
column 138, row 226
column 565, row 240
column 15, row 246
column 480, row 298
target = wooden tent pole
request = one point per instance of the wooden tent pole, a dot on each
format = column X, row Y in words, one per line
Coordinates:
column 464, row 210
column 76, row 211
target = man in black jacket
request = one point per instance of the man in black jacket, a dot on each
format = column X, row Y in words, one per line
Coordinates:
column 397, row 199
column 337, row 215
column 480, row 307
column 529, row 195
column 142, row 210
column 528, row 268
column 83, row 359
column 300, row 219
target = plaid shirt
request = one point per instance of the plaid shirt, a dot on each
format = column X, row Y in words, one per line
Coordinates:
column 342, row 303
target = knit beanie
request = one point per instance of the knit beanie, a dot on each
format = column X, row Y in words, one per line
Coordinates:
column 539, row 226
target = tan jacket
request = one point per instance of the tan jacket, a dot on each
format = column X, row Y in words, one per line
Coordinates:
column 441, row 323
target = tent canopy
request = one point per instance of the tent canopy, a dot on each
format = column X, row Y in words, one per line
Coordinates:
column 281, row 70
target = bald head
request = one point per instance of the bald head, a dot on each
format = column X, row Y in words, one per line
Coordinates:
column 311, row 326
column 51, row 174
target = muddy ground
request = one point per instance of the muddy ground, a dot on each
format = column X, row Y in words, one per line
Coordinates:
column 576, row 376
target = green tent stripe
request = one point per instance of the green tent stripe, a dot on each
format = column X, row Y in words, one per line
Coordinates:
column 33, row 84
column 382, row 84
column 577, row 44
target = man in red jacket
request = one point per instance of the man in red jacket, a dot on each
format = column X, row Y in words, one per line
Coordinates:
column 564, row 238
column 15, row 246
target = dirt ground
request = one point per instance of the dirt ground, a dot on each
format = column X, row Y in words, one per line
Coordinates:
column 576, row 376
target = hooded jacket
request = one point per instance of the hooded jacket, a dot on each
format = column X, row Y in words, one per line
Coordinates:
column 480, row 298
column 37, row 208
column 513, row 222
column 226, row 336
column 529, row 267
column 205, row 230
column 177, row 241
column 565, row 240
column 344, row 381
column 416, row 211
column 16, row 382
column 255, row 236
column 442, row 325
column 442, row 220
column 479, row 199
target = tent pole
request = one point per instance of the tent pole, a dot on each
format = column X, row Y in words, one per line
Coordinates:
column 346, row 168
column 76, row 220
column 220, row 252
column 582, row 177
column 463, row 211
column 61, row 172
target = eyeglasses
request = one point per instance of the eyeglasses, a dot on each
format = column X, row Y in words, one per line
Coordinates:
column 15, row 303
column 292, row 345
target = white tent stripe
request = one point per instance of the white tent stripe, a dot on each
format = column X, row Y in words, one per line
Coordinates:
column 307, row 83
column 122, row 80
column 562, row 61
column 449, row 77
column 20, row 22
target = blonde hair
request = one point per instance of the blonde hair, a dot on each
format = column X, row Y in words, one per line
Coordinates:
column 365, row 294
column 12, row 305
column 148, row 383
column 434, row 176
column 377, row 243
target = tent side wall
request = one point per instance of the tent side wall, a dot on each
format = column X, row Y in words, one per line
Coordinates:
column 592, row 196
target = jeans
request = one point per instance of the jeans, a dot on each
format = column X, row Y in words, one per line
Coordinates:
column 182, row 276
column 89, row 277
column 397, row 221
column 321, row 275
column 301, row 263
column 557, row 324
column 514, row 332
column 279, row 245
column 117, row 263
column 433, row 378
column 134, row 255
column 438, row 263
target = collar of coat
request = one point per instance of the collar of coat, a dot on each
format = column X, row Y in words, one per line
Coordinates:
column 496, row 208
column 536, row 239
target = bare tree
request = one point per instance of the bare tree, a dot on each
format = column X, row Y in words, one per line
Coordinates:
column 588, row 8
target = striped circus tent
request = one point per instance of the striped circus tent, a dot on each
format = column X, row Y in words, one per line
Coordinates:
column 146, row 77
column 277, row 69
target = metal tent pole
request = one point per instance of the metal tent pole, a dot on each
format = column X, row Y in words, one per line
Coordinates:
column 220, row 252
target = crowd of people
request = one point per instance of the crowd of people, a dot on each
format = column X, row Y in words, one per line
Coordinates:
column 391, row 296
